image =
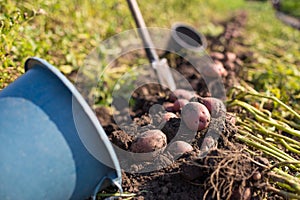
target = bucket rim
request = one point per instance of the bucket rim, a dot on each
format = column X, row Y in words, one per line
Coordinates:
column 174, row 34
column 31, row 62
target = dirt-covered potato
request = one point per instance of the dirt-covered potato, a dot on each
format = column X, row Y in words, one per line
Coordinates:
column 178, row 148
column 196, row 116
column 149, row 141
column 181, row 94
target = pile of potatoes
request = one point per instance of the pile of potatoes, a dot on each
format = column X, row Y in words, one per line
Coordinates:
column 195, row 112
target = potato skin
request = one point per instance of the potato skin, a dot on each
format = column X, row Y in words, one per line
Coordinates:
column 196, row 116
column 149, row 141
column 178, row 148
column 179, row 104
column 215, row 106
column 167, row 116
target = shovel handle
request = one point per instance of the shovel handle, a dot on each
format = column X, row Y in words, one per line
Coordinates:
column 143, row 31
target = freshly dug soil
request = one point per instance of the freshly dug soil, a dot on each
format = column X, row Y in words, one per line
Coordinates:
column 226, row 172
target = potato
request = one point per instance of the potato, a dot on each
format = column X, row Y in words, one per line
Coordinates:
column 256, row 176
column 196, row 116
column 179, row 104
column 217, row 55
column 168, row 106
column 167, row 116
column 149, row 141
column 215, row 106
column 231, row 56
column 215, row 69
column 181, row 94
column 178, row 148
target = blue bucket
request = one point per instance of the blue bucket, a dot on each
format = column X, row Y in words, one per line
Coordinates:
column 51, row 143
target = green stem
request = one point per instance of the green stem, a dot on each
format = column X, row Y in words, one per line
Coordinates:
column 276, row 100
column 247, row 90
column 291, row 123
column 275, row 150
column 291, row 180
column 262, row 129
column 260, row 117
column 118, row 194
column 282, row 193
column 285, row 186
column 288, row 147
column 263, row 148
column 295, row 146
column 280, row 164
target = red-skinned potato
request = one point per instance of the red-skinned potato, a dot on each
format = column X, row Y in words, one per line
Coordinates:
column 149, row 141
column 215, row 106
column 168, row 106
column 168, row 115
column 196, row 116
column 179, row 104
column 181, row 94
column 178, row 148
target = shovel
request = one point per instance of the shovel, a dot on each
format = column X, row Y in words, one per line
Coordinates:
column 160, row 66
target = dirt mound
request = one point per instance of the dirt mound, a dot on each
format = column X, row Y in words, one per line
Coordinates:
column 226, row 172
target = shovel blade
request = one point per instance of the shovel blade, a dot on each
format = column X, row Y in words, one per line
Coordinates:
column 164, row 74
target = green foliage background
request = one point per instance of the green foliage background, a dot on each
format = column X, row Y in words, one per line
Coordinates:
column 64, row 32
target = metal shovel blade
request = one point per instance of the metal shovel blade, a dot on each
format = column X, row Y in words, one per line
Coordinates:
column 164, row 73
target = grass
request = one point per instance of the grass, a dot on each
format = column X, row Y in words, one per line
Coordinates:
column 277, row 52
column 62, row 32
column 290, row 7
column 65, row 32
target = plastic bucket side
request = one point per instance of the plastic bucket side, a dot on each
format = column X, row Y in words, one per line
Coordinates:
column 46, row 88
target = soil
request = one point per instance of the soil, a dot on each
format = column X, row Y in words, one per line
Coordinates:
column 226, row 172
